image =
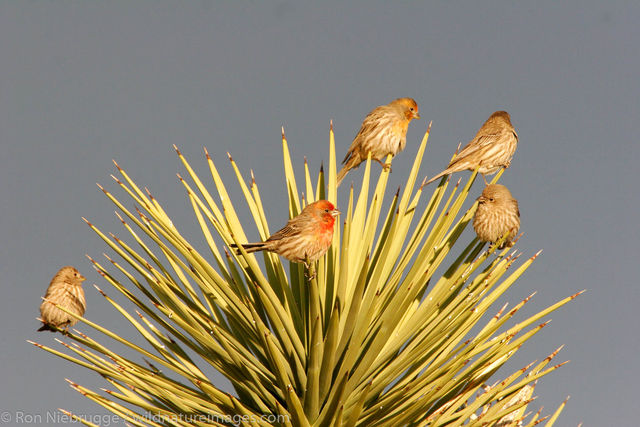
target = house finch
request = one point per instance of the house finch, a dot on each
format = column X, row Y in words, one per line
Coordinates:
column 491, row 148
column 66, row 291
column 496, row 215
column 307, row 235
column 383, row 131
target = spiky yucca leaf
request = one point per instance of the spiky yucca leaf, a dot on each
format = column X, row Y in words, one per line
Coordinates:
column 373, row 338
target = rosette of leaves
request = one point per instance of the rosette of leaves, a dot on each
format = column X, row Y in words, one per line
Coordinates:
column 370, row 336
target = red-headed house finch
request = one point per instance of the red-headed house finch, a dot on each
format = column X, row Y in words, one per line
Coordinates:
column 491, row 149
column 66, row 291
column 496, row 215
column 308, row 235
column 383, row 131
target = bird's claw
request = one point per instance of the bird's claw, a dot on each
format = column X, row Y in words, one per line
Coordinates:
column 308, row 272
column 385, row 166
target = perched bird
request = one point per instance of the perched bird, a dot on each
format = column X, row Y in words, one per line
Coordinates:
column 383, row 131
column 491, row 149
column 496, row 215
column 307, row 235
column 66, row 291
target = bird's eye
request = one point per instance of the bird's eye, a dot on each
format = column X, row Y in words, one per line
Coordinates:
column 491, row 199
column 411, row 108
column 326, row 210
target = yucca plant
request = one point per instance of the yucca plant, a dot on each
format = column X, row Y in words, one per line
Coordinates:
column 369, row 336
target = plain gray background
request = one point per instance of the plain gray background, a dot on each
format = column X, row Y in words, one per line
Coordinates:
column 84, row 83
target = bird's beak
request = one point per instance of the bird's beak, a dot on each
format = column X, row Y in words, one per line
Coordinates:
column 335, row 212
column 481, row 199
column 416, row 116
column 82, row 278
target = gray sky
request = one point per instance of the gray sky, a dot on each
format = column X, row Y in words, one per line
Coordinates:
column 84, row 83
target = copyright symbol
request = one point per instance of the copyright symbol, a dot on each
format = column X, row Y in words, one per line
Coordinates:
column 5, row 416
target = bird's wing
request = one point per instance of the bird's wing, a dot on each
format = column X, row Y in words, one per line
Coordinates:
column 292, row 228
column 476, row 144
column 487, row 139
column 369, row 125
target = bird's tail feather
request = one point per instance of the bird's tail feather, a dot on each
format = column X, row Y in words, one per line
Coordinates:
column 250, row 247
column 352, row 161
column 343, row 172
column 440, row 175
column 46, row 327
